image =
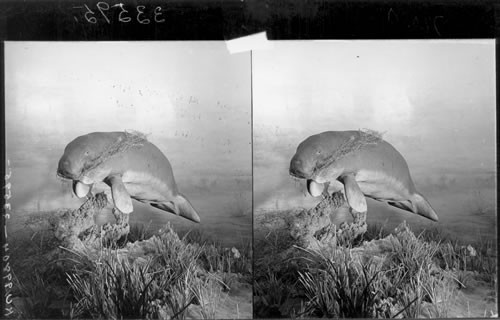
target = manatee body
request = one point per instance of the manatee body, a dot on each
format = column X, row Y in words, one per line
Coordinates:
column 133, row 167
column 361, row 165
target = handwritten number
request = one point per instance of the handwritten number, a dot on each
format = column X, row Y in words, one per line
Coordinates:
column 141, row 12
column 10, row 311
column 91, row 19
column 6, row 268
column 157, row 14
column 101, row 7
column 436, row 18
column 104, row 8
column 121, row 18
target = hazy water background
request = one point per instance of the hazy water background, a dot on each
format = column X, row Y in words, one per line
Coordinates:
column 433, row 100
column 192, row 99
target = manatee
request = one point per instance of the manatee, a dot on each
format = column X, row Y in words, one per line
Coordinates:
column 359, row 163
column 130, row 165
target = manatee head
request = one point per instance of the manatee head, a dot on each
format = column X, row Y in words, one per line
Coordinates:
column 312, row 154
column 82, row 157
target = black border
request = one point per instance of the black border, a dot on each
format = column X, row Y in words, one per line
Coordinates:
column 32, row 20
column 253, row 206
column 228, row 19
column 3, row 171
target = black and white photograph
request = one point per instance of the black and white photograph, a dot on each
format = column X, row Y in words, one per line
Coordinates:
column 375, row 179
column 173, row 159
column 131, row 179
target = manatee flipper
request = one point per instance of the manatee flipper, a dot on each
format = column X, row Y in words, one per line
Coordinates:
column 315, row 189
column 81, row 189
column 121, row 197
column 354, row 195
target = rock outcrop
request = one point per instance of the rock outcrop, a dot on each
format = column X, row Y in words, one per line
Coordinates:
column 313, row 229
column 76, row 229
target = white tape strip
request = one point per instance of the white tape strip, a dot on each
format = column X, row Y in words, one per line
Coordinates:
column 256, row 41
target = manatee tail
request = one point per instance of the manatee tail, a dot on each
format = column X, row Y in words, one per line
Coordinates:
column 185, row 208
column 179, row 206
column 422, row 207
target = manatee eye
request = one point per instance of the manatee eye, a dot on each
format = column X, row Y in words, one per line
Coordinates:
column 318, row 151
column 87, row 153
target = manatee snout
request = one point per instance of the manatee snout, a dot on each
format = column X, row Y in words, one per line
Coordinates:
column 65, row 168
column 298, row 167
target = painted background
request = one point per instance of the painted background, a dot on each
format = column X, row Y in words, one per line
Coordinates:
column 433, row 100
column 192, row 99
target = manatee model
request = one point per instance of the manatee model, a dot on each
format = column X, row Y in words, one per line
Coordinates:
column 133, row 167
column 361, row 164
